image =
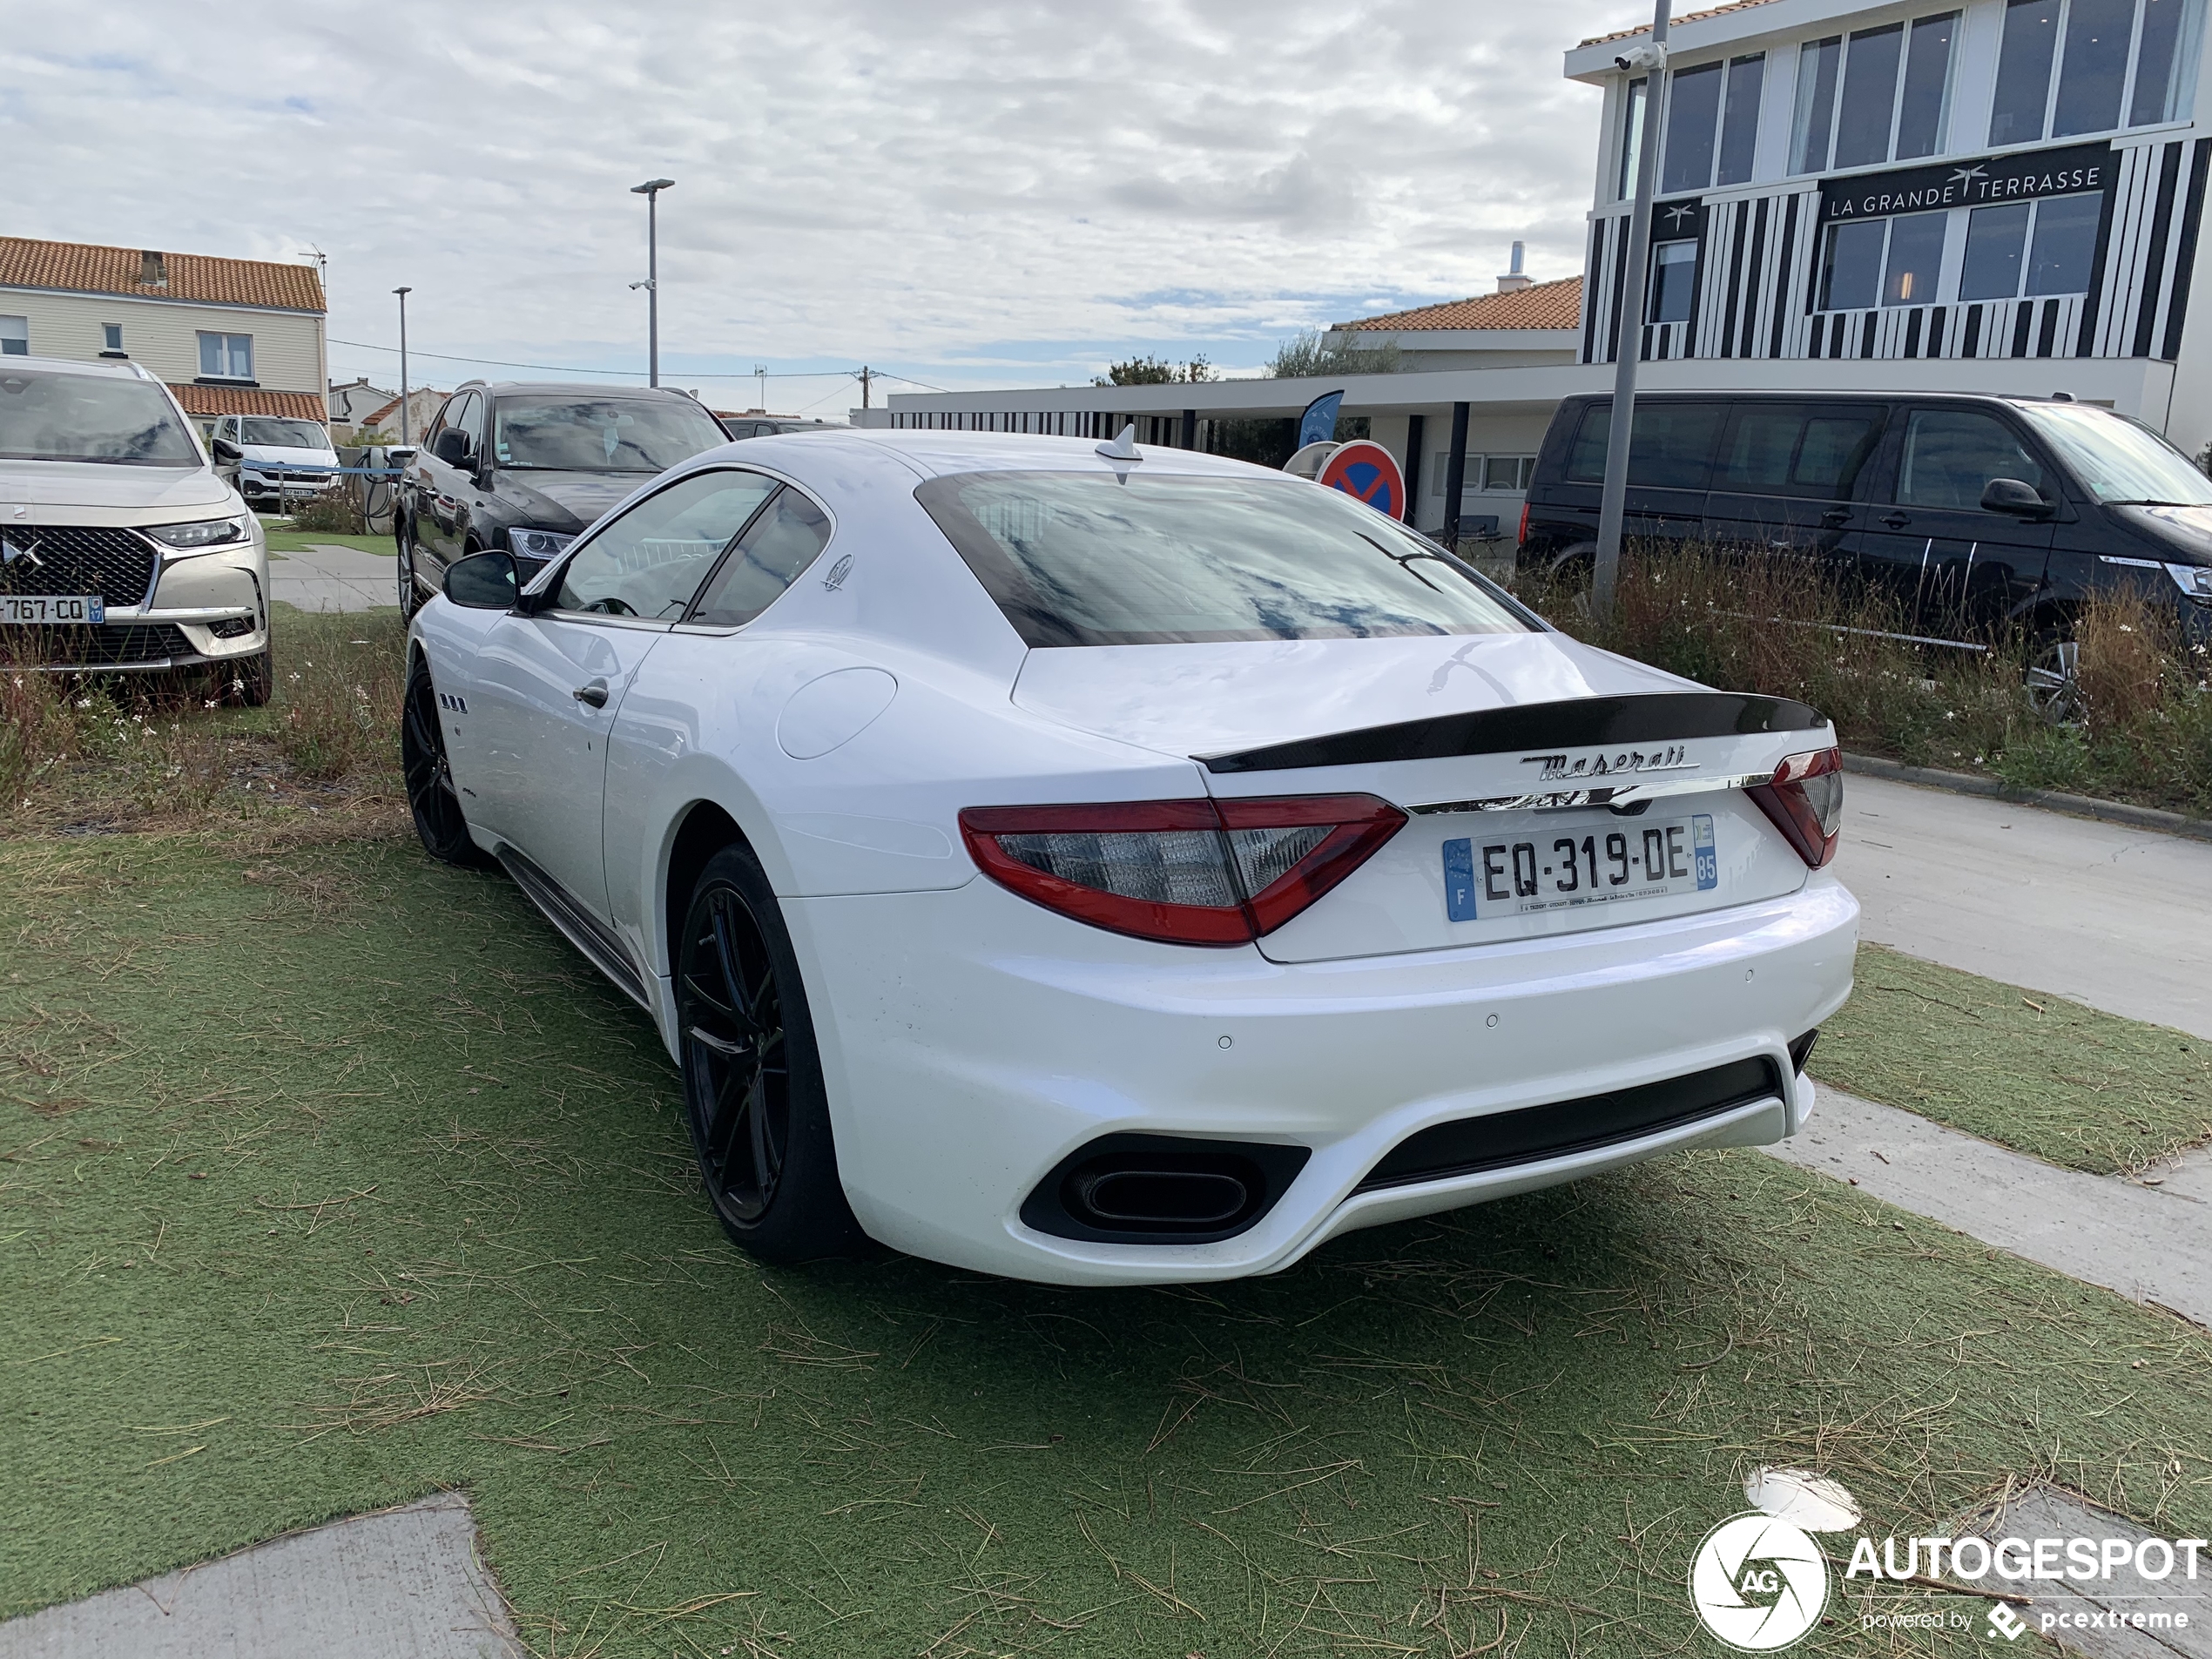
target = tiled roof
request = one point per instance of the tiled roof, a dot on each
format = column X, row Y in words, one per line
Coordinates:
column 243, row 400
column 1688, row 16
column 1541, row 304
column 84, row 268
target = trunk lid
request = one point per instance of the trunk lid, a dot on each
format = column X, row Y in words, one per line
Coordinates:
column 1506, row 750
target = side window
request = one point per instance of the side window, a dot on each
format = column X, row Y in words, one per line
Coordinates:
column 451, row 406
column 1951, row 454
column 1670, row 447
column 472, row 422
column 649, row 562
column 777, row 546
column 1796, row 451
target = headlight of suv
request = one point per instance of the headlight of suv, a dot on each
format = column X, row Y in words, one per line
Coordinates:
column 2195, row 580
column 204, row 535
column 537, row 544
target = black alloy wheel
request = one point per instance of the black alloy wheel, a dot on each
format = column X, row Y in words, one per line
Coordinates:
column 2053, row 682
column 431, row 795
column 410, row 595
column 753, row 1091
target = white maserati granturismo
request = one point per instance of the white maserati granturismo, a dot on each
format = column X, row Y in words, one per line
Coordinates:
column 1104, row 866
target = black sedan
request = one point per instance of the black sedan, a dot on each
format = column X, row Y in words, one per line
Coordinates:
column 526, row 468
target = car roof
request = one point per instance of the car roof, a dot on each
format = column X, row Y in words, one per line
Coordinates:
column 77, row 366
column 1814, row 396
column 572, row 389
column 936, row 454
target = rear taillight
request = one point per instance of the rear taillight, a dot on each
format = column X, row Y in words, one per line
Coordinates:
column 1187, row 872
column 1805, row 801
column 1523, row 540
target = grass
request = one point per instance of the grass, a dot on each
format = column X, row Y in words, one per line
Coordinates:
column 2066, row 1083
column 329, row 1177
column 2147, row 736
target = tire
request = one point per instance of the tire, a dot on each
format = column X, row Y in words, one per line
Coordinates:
column 2053, row 681
column 431, row 796
column 254, row 678
column 753, row 1094
column 410, row 595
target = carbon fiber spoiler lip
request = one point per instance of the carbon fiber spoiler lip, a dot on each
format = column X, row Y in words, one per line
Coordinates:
column 1535, row 728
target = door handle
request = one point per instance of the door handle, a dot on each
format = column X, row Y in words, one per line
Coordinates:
column 1896, row 521
column 1835, row 518
column 595, row 693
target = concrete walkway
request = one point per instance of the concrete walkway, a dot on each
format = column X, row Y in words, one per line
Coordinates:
column 404, row 1584
column 331, row 577
column 2149, row 1239
column 2106, row 915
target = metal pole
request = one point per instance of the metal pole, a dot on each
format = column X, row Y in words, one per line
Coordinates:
column 406, row 424
column 650, row 191
column 1613, row 508
column 1455, row 475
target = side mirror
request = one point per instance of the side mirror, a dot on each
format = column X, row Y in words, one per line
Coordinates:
column 224, row 449
column 484, row 581
column 452, row 447
column 2013, row 498
column 397, row 456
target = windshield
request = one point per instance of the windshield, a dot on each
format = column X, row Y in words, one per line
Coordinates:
column 2117, row 460
column 1089, row 559
column 45, row 417
column 284, row 434
column 600, row 435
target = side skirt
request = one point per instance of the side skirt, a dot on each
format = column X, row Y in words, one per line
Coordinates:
column 581, row 928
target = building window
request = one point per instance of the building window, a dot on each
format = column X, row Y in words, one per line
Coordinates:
column 15, row 336
column 226, row 357
column 1486, row 474
column 1872, row 262
column 2040, row 248
column 1895, row 94
column 1712, row 124
column 1632, row 138
column 2109, row 56
column 1674, row 282
column 112, row 339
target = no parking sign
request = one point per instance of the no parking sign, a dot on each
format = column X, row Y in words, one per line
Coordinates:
column 1367, row 472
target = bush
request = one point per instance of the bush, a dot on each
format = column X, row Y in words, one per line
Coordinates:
column 334, row 512
column 1791, row 628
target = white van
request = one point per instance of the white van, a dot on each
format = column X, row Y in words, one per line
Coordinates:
column 121, row 551
column 270, row 458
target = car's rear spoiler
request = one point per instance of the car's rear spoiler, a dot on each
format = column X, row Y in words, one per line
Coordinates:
column 1579, row 723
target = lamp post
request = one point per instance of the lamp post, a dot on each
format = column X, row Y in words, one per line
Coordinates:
column 650, row 191
column 407, row 422
column 1605, row 573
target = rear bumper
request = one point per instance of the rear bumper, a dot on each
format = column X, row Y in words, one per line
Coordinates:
column 973, row 1041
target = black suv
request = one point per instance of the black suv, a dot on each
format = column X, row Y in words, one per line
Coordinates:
column 1980, row 515
column 526, row 468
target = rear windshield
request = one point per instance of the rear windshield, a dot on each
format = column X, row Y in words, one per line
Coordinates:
column 600, row 435
column 1088, row 559
column 88, row 417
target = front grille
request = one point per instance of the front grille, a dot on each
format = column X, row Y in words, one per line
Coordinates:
column 68, row 559
column 1471, row 1145
column 108, row 647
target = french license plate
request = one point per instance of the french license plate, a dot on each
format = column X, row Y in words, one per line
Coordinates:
column 48, row 610
column 1526, row 875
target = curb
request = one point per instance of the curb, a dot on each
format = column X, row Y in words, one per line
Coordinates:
column 1960, row 783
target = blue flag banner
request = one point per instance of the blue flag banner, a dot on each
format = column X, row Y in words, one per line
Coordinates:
column 1319, row 423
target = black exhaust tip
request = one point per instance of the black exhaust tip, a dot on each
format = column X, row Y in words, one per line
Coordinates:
column 1162, row 1189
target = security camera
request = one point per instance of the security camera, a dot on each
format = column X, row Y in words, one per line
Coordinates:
column 1642, row 59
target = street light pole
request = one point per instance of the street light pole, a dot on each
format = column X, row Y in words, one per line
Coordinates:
column 1629, row 322
column 650, row 191
column 407, row 423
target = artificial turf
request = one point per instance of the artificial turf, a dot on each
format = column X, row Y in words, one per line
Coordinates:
column 2066, row 1083
column 330, row 1176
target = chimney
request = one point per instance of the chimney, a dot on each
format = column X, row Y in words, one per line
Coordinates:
column 153, row 269
column 1514, row 280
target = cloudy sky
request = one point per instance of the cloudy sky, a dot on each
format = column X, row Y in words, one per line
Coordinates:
column 964, row 194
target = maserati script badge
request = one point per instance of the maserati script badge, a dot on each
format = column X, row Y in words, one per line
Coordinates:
column 1673, row 757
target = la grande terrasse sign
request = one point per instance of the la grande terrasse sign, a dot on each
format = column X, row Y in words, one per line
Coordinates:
column 2069, row 171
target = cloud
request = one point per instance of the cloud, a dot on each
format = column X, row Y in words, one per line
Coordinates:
column 969, row 193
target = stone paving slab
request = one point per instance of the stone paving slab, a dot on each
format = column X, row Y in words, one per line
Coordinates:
column 2149, row 1243
column 2096, row 1617
column 2103, row 913
column 403, row 1584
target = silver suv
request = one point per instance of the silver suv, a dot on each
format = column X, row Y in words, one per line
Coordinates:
column 121, row 551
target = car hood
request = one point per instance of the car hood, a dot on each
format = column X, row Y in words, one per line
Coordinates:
column 285, row 455
column 565, row 501
column 2185, row 532
column 1215, row 699
column 83, row 483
